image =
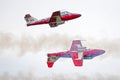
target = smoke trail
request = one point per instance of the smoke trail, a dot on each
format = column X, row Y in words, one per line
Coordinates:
column 112, row 47
column 30, row 76
column 28, row 43
column 6, row 40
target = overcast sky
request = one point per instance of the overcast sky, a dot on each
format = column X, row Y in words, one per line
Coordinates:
column 23, row 49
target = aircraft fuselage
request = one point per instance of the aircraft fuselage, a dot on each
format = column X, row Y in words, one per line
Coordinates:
column 64, row 17
column 87, row 54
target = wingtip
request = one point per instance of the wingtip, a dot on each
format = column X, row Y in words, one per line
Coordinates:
column 78, row 62
column 50, row 64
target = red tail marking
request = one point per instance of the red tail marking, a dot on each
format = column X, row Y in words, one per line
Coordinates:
column 50, row 64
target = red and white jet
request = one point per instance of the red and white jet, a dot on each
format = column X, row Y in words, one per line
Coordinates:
column 77, row 52
column 56, row 19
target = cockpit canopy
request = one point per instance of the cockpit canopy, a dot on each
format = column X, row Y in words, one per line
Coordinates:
column 65, row 13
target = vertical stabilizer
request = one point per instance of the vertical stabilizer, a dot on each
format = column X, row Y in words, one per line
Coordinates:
column 51, row 59
column 29, row 19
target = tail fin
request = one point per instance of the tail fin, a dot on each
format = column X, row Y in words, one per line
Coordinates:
column 29, row 19
column 51, row 59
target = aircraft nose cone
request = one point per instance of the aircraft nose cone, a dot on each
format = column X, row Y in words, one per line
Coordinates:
column 101, row 51
column 78, row 15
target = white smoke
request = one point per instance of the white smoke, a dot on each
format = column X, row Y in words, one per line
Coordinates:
column 28, row 43
column 30, row 76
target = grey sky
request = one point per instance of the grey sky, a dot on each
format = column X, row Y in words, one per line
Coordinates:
column 98, row 25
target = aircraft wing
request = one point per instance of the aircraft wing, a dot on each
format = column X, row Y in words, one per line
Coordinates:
column 55, row 19
column 75, row 45
column 77, row 58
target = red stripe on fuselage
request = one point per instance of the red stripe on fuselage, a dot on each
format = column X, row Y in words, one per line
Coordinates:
column 70, row 17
